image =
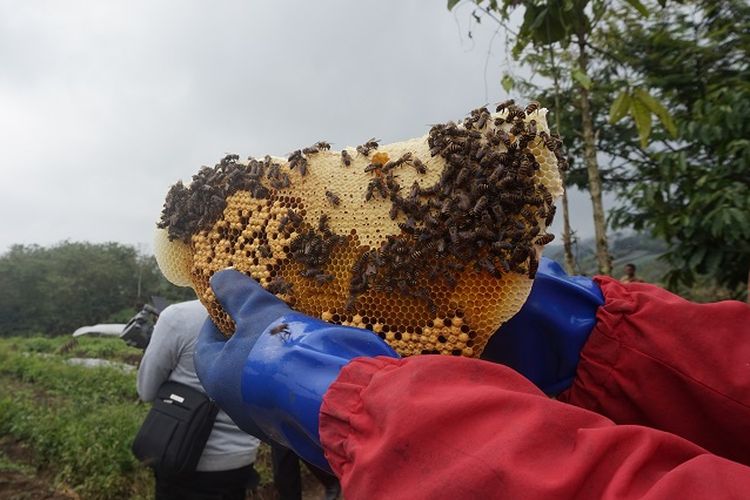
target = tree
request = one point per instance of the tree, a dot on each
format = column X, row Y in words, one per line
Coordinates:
column 55, row 290
column 693, row 192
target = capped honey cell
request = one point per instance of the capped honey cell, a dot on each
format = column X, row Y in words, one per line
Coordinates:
column 431, row 243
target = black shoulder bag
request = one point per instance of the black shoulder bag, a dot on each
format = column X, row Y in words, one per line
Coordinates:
column 176, row 429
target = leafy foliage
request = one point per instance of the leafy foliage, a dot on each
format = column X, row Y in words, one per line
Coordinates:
column 693, row 192
column 57, row 289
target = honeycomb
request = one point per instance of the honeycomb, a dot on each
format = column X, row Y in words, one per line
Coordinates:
column 431, row 243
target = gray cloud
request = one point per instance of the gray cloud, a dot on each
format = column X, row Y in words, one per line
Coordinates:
column 106, row 104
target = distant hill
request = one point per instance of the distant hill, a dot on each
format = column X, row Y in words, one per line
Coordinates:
column 635, row 248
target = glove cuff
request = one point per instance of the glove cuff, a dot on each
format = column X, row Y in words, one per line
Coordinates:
column 288, row 371
column 544, row 340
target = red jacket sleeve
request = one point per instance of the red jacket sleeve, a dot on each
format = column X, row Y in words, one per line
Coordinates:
column 657, row 360
column 437, row 427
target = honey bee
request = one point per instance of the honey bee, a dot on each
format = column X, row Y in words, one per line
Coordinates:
column 279, row 286
column 533, row 266
column 549, row 141
column 390, row 182
column 550, row 215
column 505, row 104
column 545, row 238
column 322, row 145
column 282, row 330
column 294, row 217
column 505, row 138
column 482, row 121
column 531, row 128
column 526, row 214
column 502, row 245
column 463, row 201
column 496, row 174
column 406, row 157
column 409, row 226
column 372, row 167
column 376, row 183
column 518, row 127
column 296, row 160
column 364, row 149
column 462, row 175
column 281, row 327
column 525, row 168
column 259, row 191
column 273, row 171
column 393, row 212
column 488, row 266
column 414, row 192
column 333, row 198
column 281, row 181
column 419, row 166
column 323, row 278
column 265, row 251
column 480, row 205
column 504, row 264
column 533, row 106
column 310, row 272
column 345, row 158
column 452, row 147
column 483, row 187
column 515, row 112
column 519, row 255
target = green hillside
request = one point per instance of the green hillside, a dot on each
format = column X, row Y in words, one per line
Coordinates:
column 638, row 249
column 644, row 252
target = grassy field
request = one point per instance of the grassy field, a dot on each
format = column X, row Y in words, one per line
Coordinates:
column 78, row 422
column 66, row 430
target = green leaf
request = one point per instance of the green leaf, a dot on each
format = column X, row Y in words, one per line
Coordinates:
column 620, row 107
column 642, row 117
column 637, row 5
column 697, row 257
column 452, row 3
column 582, row 78
column 507, row 82
column 539, row 19
column 658, row 109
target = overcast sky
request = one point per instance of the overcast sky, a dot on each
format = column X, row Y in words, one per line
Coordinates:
column 104, row 105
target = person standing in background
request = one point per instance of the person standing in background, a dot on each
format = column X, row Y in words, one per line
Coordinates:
column 287, row 475
column 630, row 276
column 225, row 469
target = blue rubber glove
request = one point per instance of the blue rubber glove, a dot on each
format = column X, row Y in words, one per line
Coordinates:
column 544, row 339
column 271, row 375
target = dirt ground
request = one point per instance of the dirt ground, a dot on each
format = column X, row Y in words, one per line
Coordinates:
column 19, row 479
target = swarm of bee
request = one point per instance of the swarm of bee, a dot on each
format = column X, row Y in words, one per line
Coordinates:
column 431, row 243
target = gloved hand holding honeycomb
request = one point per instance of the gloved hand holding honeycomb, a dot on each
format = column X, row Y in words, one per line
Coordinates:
column 431, row 243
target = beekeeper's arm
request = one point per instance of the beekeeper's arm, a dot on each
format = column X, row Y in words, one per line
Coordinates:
column 430, row 426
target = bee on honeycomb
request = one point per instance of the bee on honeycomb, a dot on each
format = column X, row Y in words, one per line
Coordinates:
column 431, row 243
